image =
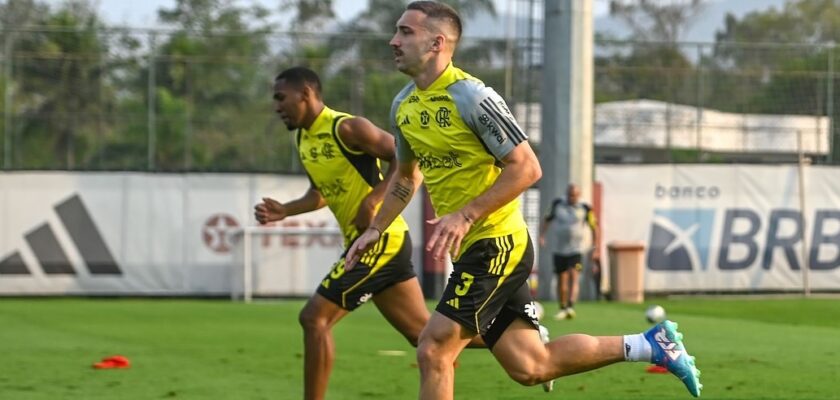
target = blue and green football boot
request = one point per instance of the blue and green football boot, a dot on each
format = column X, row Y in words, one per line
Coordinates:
column 669, row 352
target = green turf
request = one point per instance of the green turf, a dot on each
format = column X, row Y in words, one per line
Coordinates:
column 747, row 349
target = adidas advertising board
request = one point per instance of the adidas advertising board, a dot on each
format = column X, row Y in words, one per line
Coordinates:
column 150, row 234
column 728, row 227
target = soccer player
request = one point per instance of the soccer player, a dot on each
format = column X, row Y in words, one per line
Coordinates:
column 341, row 154
column 568, row 218
column 460, row 137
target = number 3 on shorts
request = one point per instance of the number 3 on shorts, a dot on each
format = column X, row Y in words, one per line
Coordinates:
column 466, row 281
column 338, row 269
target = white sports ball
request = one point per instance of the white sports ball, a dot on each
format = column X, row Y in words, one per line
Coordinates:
column 655, row 314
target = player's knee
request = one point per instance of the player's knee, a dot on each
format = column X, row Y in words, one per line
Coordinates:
column 311, row 321
column 430, row 354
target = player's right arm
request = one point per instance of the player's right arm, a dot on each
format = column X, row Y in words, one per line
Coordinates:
column 399, row 191
column 271, row 210
column 401, row 188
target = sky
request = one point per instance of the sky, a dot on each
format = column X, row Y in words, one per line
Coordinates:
column 143, row 13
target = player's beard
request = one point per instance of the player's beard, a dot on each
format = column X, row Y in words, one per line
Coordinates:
column 289, row 124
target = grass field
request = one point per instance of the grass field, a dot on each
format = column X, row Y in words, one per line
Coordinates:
column 191, row 349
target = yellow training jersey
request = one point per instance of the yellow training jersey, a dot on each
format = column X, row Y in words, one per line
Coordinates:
column 458, row 130
column 343, row 176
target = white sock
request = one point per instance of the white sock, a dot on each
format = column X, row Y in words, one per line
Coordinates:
column 637, row 348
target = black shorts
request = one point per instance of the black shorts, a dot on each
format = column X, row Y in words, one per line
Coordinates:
column 488, row 287
column 388, row 263
column 563, row 263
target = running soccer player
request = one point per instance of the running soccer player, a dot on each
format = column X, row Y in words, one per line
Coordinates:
column 341, row 154
column 460, row 137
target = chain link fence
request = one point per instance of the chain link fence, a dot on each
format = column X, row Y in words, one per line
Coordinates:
column 154, row 100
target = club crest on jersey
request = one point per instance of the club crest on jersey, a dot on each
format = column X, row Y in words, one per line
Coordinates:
column 442, row 117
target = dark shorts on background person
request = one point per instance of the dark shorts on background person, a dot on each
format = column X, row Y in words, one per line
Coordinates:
column 488, row 288
column 565, row 262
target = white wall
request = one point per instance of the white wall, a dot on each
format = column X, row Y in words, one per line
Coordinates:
column 726, row 227
column 161, row 234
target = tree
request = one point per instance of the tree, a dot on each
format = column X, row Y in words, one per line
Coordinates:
column 61, row 88
column 656, row 20
column 653, row 65
column 356, row 63
column 211, row 71
column 788, row 71
column 802, row 21
column 649, row 71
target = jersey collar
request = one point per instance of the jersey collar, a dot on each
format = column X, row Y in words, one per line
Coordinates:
column 444, row 80
column 324, row 116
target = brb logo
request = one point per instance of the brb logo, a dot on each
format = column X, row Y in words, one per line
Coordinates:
column 686, row 239
column 679, row 239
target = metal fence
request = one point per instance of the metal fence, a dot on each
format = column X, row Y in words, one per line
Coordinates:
column 153, row 100
column 707, row 102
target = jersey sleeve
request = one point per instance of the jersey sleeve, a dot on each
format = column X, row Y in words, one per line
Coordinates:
column 487, row 114
column 404, row 151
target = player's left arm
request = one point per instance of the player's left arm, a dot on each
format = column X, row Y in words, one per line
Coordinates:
column 359, row 134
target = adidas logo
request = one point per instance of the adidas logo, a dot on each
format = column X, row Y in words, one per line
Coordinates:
column 668, row 346
column 45, row 245
column 454, row 303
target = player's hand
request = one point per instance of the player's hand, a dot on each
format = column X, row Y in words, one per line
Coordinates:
column 269, row 210
column 542, row 241
column 596, row 255
column 448, row 232
column 364, row 216
column 362, row 245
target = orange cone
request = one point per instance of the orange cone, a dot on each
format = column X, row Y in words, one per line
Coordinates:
column 113, row 362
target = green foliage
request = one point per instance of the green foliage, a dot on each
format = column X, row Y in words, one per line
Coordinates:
column 656, row 20
column 799, row 21
column 196, row 97
column 791, row 77
column 649, row 71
